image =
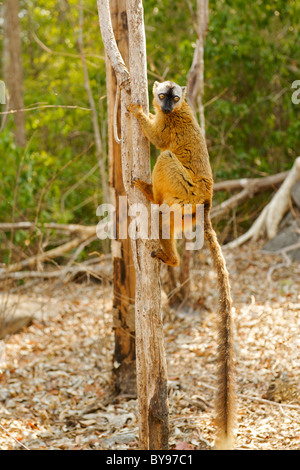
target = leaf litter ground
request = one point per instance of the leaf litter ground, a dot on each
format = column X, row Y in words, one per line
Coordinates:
column 56, row 384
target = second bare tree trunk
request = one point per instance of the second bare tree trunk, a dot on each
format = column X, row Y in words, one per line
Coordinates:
column 124, row 273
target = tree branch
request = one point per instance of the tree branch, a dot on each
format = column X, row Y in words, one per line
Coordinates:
column 249, row 186
column 110, row 45
column 260, row 184
column 21, row 110
column 53, row 253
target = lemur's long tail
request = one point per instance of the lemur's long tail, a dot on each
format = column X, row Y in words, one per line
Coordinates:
column 225, row 400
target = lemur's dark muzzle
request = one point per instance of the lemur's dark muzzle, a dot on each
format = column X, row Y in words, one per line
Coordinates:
column 167, row 106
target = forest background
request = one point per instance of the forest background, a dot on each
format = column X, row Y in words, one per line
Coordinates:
column 252, row 58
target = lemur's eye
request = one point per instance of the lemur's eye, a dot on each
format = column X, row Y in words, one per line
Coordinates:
column 161, row 96
column 176, row 98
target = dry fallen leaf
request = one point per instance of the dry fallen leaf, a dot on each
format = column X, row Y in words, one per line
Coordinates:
column 184, row 446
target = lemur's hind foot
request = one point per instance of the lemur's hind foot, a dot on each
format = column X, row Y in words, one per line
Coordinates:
column 165, row 258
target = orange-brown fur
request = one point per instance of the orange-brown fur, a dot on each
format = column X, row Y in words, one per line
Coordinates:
column 182, row 175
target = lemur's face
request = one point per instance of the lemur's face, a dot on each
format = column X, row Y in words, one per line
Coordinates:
column 168, row 96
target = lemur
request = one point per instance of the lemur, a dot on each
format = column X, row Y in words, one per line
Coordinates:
column 182, row 175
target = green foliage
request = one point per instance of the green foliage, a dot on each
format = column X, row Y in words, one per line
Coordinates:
column 251, row 59
column 60, row 150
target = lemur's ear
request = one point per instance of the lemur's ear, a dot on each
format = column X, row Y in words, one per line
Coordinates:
column 155, row 86
column 183, row 92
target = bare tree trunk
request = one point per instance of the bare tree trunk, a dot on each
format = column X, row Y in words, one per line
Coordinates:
column 123, row 265
column 151, row 362
column 150, row 354
column 13, row 70
column 195, row 80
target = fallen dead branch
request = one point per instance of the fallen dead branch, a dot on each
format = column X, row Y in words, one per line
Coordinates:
column 71, row 228
column 83, row 237
column 54, row 253
column 272, row 214
column 281, row 201
column 261, row 184
column 70, row 271
column 249, row 187
column 232, row 202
